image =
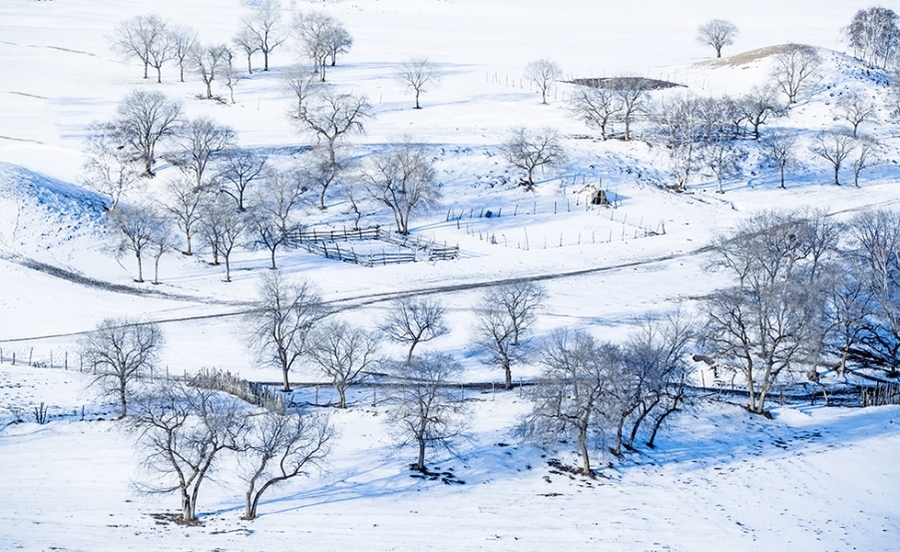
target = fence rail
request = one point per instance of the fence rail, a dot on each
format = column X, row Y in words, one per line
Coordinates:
column 403, row 249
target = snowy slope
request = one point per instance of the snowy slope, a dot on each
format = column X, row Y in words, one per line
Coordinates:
column 814, row 478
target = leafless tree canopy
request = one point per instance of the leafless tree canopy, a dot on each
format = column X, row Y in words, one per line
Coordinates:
column 856, row 108
column 427, row 409
column 793, row 69
column 146, row 38
column 418, row 73
column 120, row 351
column 199, row 143
column 402, row 178
column 717, row 33
column 278, row 447
column 343, row 353
column 223, row 228
column 836, row 148
column 280, row 323
column 529, row 150
column 780, row 148
column 412, row 320
column 874, row 36
column 757, row 106
column 504, row 323
column 598, row 107
column 182, row 431
column 322, row 37
column 543, row 73
column 208, row 62
column 183, row 40
column 262, row 26
column 110, row 169
column 136, row 229
column 238, row 168
column 143, row 119
column 771, row 320
column 571, row 397
column 333, row 115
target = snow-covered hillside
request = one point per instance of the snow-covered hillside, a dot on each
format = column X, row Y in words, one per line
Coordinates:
column 813, row 478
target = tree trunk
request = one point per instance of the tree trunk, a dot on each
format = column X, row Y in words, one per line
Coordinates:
column 122, row 404
column 837, row 169
column 187, row 507
column 265, row 60
column 159, row 75
column 585, row 457
column 140, row 278
column 508, row 374
column 287, row 384
column 272, row 250
column 417, row 99
column 782, row 177
column 249, row 65
column 342, row 396
column 146, row 68
column 209, row 89
column 420, row 465
column 228, row 268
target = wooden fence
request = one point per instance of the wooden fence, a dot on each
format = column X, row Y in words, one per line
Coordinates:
column 396, row 250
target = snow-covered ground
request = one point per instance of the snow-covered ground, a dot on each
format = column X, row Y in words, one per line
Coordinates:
column 813, row 478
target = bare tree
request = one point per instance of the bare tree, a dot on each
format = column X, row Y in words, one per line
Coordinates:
column 183, row 40
column 425, row 409
column 835, row 147
column 279, row 194
column 656, row 353
column 273, row 219
column 320, row 173
column 793, row 67
column 543, row 73
column 208, row 62
column 182, row 430
column 230, row 74
column 721, row 156
column 679, row 119
column 412, row 320
column 333, row 116
column 222, row 228
column 184, row 201
column 855, row 108
column 529, row 150
column 238, row 168
column 302, row 84
column 279, row 326
column 278, row 447
column 322, row 37
column 402, row 177
column 780, row 148
column 417, row 73
column 120, row 351
column 871, row 318
column 521, row 300
column 717, row 33
column 339, row 42
column 161, row 241
column 109, row 169
column 632, row 97
column 758, row 105
column 874, row 36
column 571, row 396
column 143, row 37
column 597, row 107
column 248, row 42
column 504, row 322
column 343, row 353
column 772, row 319
column 199, row 143
column 867, row 149
column 143, row 119
column 135, row 228
column 264, row 24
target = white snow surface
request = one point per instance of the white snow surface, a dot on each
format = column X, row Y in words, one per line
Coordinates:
column 813, row 478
